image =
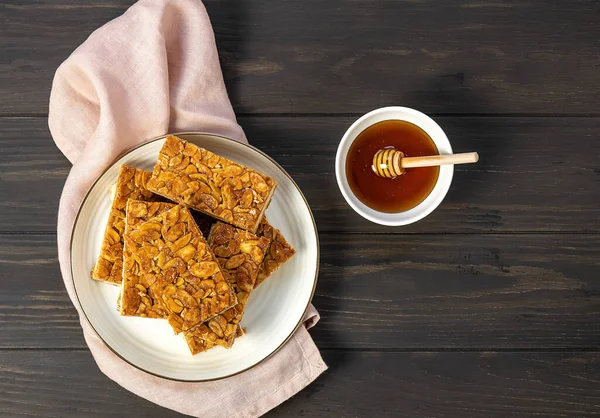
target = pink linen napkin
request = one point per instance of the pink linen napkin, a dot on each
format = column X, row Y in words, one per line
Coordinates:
column 154, row 70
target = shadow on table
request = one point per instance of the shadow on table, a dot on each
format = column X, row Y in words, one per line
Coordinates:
column 466, row 132
column 231, row 21
column 329, row 300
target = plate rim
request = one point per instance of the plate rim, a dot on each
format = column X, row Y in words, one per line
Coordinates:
column 157, row 138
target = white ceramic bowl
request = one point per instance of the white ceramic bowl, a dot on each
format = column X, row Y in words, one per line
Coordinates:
column 441, row 187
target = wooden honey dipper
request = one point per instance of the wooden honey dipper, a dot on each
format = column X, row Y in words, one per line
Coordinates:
column 390, row 163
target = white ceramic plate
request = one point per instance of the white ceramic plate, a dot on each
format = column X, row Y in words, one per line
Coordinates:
column 275, row 308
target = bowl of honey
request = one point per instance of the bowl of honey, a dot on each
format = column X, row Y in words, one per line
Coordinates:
column 406, row 198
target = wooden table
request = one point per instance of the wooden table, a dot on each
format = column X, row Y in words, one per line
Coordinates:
column 488, row 307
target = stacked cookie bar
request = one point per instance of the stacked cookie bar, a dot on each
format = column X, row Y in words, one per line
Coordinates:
column 167, row 268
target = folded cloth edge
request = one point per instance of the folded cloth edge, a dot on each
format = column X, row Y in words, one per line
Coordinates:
column 312, row 366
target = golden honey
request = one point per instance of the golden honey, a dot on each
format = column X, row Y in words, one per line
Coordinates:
column 403, row 192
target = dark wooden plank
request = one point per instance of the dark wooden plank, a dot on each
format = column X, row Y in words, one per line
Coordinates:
column 530, row 178
column 32, row 174
column 35, row 37
column 65, row 384
column 347, row 56
column 452, row 385
column 510, row 291
column 35, row 310
column 378, row 292
column 69, row 384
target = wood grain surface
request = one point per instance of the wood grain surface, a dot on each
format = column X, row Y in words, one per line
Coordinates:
column 489, row 307
column 348, row 56
column 384, row 384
